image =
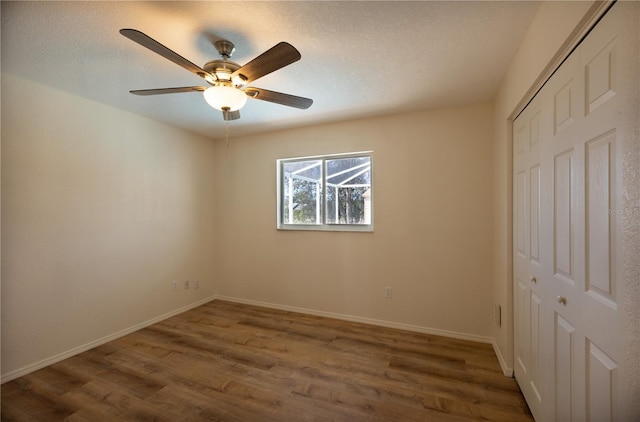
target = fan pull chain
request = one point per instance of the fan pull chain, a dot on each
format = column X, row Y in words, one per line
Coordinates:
column 226, row 136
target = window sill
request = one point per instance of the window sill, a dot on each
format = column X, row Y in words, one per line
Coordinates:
column 367, row 228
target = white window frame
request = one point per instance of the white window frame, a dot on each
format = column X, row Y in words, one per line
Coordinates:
column 280, row 225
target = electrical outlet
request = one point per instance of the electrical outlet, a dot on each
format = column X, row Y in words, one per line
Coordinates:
column 186, row 284
column 388, row 293
column 196, row 284
column 497, row 315
column 174, row 285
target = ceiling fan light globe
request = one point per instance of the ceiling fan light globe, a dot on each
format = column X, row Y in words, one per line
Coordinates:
column 225, row 97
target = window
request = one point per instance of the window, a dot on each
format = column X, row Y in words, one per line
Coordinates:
column 332, row 192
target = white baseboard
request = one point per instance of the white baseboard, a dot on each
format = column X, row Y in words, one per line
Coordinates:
column 380, row 323
column 95, row 343
column 506, row 370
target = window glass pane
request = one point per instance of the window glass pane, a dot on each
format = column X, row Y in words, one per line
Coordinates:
column 348, row 190
column 302, row 187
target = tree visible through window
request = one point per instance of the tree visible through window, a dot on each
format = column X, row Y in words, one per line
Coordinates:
column 325, row 191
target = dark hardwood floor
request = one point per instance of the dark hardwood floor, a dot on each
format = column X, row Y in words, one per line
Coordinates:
column 230, row 362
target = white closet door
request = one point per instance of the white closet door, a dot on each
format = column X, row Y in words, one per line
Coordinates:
column 527, row 252
column 568, row 190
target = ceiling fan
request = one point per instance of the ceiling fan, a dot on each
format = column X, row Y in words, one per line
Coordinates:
column 228, row 90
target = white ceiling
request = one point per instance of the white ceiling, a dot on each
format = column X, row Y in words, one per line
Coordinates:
column 358, row 58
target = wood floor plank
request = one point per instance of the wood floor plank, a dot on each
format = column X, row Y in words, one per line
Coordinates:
column 225, row 361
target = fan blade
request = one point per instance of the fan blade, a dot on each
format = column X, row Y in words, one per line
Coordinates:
column 279, row 97
column 153, row 45
column 230, row 115
column 168, row 90
column 276, row 57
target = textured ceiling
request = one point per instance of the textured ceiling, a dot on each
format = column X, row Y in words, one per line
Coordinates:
column 358, row 58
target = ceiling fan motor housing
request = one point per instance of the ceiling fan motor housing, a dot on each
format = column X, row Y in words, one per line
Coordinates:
column 223, row 69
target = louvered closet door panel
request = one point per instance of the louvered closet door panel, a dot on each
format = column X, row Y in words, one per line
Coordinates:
column 567, row 233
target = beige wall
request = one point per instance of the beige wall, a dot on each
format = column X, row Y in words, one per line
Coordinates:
column 433, row 223
column 101, row 210
column 552, row 25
